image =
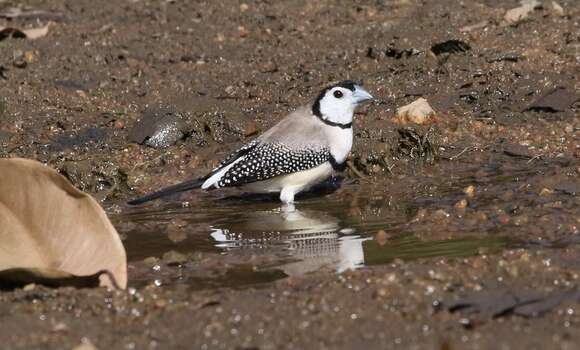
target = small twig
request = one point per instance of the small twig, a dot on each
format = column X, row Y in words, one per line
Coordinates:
column 147, row 162
column 460, row 153
column 353, row 169
column 111, row 277
column 538, row 156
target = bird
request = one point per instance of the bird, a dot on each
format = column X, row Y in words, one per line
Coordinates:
column 303, row 149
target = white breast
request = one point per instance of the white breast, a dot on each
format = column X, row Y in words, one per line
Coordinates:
column 339, row 141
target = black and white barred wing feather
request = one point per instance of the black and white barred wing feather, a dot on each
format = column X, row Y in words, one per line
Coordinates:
column 262, row 161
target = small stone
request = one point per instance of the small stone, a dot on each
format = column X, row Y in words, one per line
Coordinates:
column 158, row 128
column 546, row 192
column 60, row 327
column 293, row 281
column 244, row 7
column 480, row 216
column 18, row 59
column 29, row 56
column 520, row 13
column 381, row 293
column 417, row 112
column 151, row 261
column 421, row 214
column 29, row 287
column 521, row 220
column 476, row 26
column 462, row 204
column 558, row 10
column 230, row 90
column 469, row 191
column 19, row 63
column 85, row 345
column 503, row 219
column 173, row 258
column 119, row 124
column 554, row 205
column 243, row 32
column 440, row 214
column 381, row 237
column 250, row 129
column 177, row 236
column 160, row 303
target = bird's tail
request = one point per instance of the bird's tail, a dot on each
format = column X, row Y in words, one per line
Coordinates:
column 180, row 187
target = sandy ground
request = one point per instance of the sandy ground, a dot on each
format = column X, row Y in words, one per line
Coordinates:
column 86, row 98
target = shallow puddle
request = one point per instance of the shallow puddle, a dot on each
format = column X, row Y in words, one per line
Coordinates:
column 257, row 242
column 235, row 242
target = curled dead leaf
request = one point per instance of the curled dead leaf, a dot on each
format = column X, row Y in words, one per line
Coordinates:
column 51, row 231
column 31, row 33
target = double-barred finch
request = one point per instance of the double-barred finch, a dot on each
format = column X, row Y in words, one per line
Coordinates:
column 302, row 150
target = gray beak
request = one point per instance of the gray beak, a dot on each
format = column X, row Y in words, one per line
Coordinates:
column 361, row 95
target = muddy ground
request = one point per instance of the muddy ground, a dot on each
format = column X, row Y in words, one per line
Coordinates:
column 487, row 190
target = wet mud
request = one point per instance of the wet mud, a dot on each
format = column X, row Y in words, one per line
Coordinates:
column 458, row 233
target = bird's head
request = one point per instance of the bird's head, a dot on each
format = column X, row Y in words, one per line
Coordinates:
column 336, row 103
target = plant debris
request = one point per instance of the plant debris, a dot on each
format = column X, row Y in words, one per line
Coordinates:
column 555, row 100
column 499, row 303
column 31, row 33
column 53, row 233
column 450, row 46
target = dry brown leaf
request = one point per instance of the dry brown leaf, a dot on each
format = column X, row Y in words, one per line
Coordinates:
column 51, row 229
column 35, row 33
column 31, row 33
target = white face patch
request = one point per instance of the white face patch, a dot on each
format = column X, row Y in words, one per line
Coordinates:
column 338, row 105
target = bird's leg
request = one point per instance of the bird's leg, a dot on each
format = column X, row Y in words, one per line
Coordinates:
column 288, row 209
column 287, row 195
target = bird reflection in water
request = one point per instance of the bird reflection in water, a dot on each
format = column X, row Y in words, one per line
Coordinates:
column 310, row 239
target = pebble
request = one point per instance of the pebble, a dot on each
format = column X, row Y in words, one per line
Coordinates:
column 480, row 216
column 462, row 204
column 440, row 214
column 85, row 345
column 521, row 220
column 546, row 192
column 151, row 261
column 417, row 112
column 177, row 236
column 503, row 219
column 168, row 132
column 381, row 293
column 29, row 287
column 469, row 191
column 19, row 60
column 558, row 10
column 421, row 214
column 60, row 327
column 520, row 13
column 250, row 129
column 381, row 237
column 243, row 32
column 158, row 129
column 174, row 258
column 119, row 124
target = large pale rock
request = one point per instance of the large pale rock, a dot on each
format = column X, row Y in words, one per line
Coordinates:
column 417, row 112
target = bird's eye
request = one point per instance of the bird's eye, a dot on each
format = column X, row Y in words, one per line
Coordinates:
column 338, row 94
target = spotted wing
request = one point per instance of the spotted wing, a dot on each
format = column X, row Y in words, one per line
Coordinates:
column 267, row 160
